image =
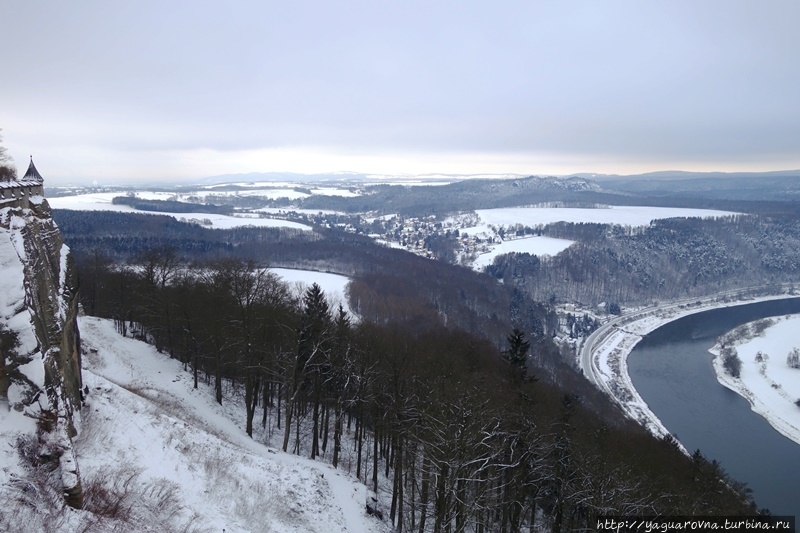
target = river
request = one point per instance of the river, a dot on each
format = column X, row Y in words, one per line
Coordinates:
column 671, row 369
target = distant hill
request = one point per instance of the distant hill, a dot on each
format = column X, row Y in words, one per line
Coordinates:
column 347, row 177
column 779, row 185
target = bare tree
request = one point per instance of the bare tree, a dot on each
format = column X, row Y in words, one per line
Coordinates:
column 8, row 171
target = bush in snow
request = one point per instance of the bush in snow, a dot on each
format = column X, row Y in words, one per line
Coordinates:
column 731, row 361
column 793, row 359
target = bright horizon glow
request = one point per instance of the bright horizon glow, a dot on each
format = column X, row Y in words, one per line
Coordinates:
column 138, row 168
column 155, row 92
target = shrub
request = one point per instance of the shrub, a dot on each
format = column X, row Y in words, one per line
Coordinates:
column 793, row 359
column 731, row 362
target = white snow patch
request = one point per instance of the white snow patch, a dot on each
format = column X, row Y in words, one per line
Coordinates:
column 623, row 215
column 102, row 202
column 603, row 357
column 144, row 415
column 13, row 312
column 771, row 387
column 531, row 245
column 333, row 285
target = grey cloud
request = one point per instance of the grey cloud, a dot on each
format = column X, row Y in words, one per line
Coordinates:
column 670, row 81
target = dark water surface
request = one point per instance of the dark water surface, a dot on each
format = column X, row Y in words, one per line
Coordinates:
column 671, row 369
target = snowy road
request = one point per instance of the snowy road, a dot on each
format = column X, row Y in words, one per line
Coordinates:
column 603, row 357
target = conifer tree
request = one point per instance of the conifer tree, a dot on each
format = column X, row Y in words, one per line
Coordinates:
column 517, row 352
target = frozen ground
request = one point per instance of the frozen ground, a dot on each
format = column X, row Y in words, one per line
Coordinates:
column 771, row 386
column 181, row 461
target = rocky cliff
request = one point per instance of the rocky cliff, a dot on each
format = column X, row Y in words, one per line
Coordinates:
column 40, row 379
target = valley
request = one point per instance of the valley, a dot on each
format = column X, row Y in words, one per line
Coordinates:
column 435, row 304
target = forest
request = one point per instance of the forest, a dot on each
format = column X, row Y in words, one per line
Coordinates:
column 667, row 260
column 467, row 436
column 446, row 386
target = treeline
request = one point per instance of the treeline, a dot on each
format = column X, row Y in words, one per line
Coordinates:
column 465, row 441
column 171, row 206
column 462, row 297
column 667, row 260
column 469, row 195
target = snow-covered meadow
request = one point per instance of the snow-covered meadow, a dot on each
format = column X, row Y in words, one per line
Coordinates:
column 766, row 381
column 103, row 202
column 531, row 245
column 487, row 223
column 615, row 214
column 278, row 189
column 333, row 285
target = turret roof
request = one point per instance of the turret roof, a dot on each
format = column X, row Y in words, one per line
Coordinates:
column 32, row 178
column 32, row 174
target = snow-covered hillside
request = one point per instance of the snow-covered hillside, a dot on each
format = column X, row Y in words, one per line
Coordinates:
column 177, row 461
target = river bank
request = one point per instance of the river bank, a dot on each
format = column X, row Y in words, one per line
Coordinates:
column 603, row 357
column 766, row 381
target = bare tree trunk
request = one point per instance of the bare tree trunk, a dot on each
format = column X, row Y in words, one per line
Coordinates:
column 375, row 460
column 360, row 439
column 326, row 419
column 280, row 396
column 423, row 492
column 315, row 429
column 337, row 433
column 218, row 380
column 288, row 423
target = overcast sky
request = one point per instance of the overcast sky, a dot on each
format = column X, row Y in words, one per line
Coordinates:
column 123, row 91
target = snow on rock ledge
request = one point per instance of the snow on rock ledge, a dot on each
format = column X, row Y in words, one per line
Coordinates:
column 40, row 381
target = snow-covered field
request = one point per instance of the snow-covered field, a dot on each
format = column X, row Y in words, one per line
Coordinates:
column 623, row 215
column 281, row 189
column 182, row 463
column 271, row 193
column 770, row 386
column 333, row 285
column 488, row 221
column 284, row 210
column 531, row 245
column 102, row 202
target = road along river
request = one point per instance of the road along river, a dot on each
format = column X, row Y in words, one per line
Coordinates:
column 671, row 371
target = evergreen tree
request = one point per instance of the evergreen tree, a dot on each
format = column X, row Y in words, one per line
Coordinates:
column 517, row 352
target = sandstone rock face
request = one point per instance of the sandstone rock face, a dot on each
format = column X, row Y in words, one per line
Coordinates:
column 40, row 377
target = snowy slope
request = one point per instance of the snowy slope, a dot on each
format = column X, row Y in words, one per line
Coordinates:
column 145, row 422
